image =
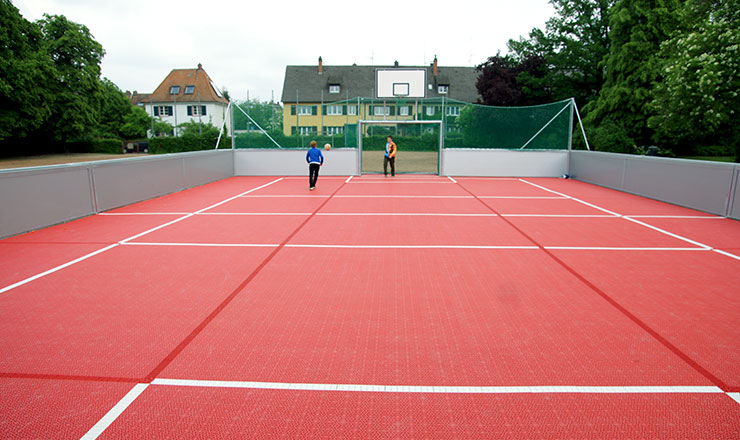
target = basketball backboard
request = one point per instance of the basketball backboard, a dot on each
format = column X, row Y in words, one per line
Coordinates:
column 400, row 83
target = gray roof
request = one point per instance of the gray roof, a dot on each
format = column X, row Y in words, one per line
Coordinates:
column 359, row 81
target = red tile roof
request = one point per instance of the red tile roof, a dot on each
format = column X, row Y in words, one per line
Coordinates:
column 203, row 87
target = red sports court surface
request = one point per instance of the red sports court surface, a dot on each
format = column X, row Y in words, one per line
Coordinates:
column 415, row 307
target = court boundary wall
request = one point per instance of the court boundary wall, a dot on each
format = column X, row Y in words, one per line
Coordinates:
column 707, row 186
column 34, row 198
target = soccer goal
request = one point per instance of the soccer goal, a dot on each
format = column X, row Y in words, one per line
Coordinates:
column 419, row 145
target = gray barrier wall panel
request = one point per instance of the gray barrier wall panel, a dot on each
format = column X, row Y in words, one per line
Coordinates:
column 735, row 206
column 123, row 183
column 340, row 162
column 210, row 167
column 700, row 185
column 599, row 168
column 37, row 198
column 504, row 163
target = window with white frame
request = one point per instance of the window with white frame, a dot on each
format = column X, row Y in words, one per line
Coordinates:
column 174, row 90
column 189, row 90
column 453, row 110
column 382, row 110
column 305, row 110
column 304, row 130
column 163, row 110
column 196, row 110
column 442, row 90
column 403, row 110
column 334, row 88
column 431, row 110
column 352, row 110
column 334, row 110
column 333, row 130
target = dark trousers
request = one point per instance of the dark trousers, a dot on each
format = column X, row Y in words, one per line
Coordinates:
column 313, row 174
column 392, row 161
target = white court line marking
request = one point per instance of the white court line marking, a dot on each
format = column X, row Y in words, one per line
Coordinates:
column 400, row 246
column 441, row 389
column 597, row 248
column 561, row 215
column 451, row 179
column 671, row 234
column 116, row 411
column 465, row 179
column 396, row 182
column 389, row 196
column 92, row 254
column 322, row 177
column 404, row 214
column 524, row 197
column 727, row 254
column 696, row 243
column 734, row 396
column 143, row 213
column 42, row 274
column 197, row 212
column 267, row 196
column 138, row 243
column 349, row 179
column 702, row 217
column 256, row 213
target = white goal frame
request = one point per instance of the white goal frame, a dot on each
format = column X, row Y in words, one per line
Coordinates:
column 363, row 123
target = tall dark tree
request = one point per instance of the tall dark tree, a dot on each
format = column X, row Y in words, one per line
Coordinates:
column 573, row 44
column 505, row 82
column 75, row 86
column 24, row 70
column 638, row 27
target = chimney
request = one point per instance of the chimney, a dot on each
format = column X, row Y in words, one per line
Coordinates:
column 200, row 66
column 395, row 64
column 321, row 66
column 435, row 68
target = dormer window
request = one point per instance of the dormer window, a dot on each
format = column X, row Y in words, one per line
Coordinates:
column 189, row 90
column 442, row 90
column 334, row 88
column 174, row 90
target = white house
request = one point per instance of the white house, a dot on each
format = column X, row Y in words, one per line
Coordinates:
column 189, row 95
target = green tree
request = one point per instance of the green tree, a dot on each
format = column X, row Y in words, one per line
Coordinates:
column 266, row 114
column 136, row 123
column 632, row 65
column 75, row 88
column 24, row 72
column 697, row 103
column 573, row 44
column 114, row 108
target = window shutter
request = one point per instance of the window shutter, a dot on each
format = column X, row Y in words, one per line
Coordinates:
column 203, row 110
column 292, row 110
column 323, row 110
column 370, row 110
column 344, row 110
column 156, row 111
column 170, row 110
column 393, row 111
column 313, row 110
column 190, row 110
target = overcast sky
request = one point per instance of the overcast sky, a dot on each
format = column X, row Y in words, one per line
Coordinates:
column 245, row 45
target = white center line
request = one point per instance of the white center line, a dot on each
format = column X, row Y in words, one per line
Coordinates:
column 441, row 389
column 116, row 411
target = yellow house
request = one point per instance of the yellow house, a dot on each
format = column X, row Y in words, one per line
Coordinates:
column 323, row 100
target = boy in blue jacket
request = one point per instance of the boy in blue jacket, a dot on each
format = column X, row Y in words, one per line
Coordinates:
column 315, row 159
